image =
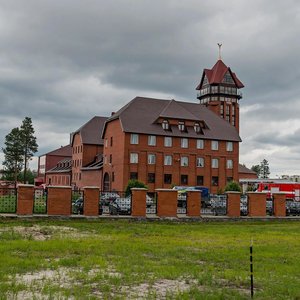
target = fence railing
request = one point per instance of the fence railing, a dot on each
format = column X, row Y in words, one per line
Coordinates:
column 151, row 203
column 40, row 201
column 77, row 202
column 182, row 199
column 8, row 200
column 115, row 203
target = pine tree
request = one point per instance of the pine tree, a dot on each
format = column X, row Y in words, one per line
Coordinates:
column 256, row 169
column 264, row 169
column 28, row 141
column 13, row 151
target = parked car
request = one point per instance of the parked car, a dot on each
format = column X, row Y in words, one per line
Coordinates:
column 120, row 206
column 107, row 197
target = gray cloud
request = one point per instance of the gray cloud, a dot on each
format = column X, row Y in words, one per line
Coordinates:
column 62, row 62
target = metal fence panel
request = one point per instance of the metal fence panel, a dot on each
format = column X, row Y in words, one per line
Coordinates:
column 115, row 203
column 292, row 208
column 8, row 200
column 181, row 203
column 151, row 203
column 77, row 202
column 40, row 202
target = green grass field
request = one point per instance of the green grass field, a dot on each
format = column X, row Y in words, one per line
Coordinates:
column 123, row 259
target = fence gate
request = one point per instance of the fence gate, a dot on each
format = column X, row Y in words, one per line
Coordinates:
column 8, row 200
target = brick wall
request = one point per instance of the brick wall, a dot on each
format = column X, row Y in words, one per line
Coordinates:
column 193, row 203
column 279, row 208
column 166, row 203
column 138, row 202
column 257, row 204
column 91, row 201
column 59, row 200
column 25, row 199
column 233, row 204
column 91, row 178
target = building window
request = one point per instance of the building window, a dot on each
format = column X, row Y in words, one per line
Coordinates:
column 151, row 159
column 134, row 158
column 229, row 164
column 184, row 179
column 200, row 162
column 215, row 163
column 168, row 141
column 134, row 139
column 110, row 158
column 200, row 180
column 167, row 178
column 111, row 141
column 151, row 177
column 113, row 176
column 184, row 143
column 215, row 180
column 181, row 126
column 229, row 146
column 200, row 144
column 197, row 128
column 184, row 161
column 214, row 145
column 133, row 176
column 165, row 125
column 168, row 160
column 152, row 140
column 106, row 143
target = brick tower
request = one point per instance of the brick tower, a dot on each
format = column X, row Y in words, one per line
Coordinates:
column 219, row 91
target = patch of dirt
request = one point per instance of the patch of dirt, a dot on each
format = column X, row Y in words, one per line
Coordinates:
column 42, row 233
column 160, row 288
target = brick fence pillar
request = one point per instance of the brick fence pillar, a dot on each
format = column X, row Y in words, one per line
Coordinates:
column 279, row 208
column 233, row 204
column 138, row 202
column 91, row 201
column 193, row 203
column 25, row 199
column 59, row 201
column 166, row 203
column 257, row 204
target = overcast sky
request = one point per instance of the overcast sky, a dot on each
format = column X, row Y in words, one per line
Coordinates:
column 63, row 62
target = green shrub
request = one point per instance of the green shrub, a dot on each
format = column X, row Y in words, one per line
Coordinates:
column 233, row 186
column 133, row 183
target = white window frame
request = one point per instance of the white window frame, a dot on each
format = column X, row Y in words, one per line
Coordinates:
column 200, row 144
column 229, row 146
column 151, row 159
column 200, row 162
column 184, row 161
column 151, row 140
column 134, row 139
column 184, row 143
column 168, row 141
column 134, row 158
column 215, row 163
column 168, row 160
column 229, row 164
column 214, row 145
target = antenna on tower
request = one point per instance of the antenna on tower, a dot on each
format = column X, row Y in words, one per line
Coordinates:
column 220, row 45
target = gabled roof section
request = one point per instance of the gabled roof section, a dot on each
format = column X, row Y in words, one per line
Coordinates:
column 62, row 166
column 174, row 110
column 90, row 132
column 62, row 151
column 216, row 75
column 140, row 114
column 244, row 169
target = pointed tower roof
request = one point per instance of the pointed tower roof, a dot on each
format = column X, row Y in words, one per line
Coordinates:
column 217, row 73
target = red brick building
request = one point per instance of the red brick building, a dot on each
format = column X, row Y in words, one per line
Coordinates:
column 87, row 144
column 168, row 142
column 50, row 160
column 61, row 174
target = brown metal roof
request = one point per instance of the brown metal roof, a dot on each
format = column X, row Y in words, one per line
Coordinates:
column 244, row 169
column 62, row 151
column 90, row 132
column 140, row 116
